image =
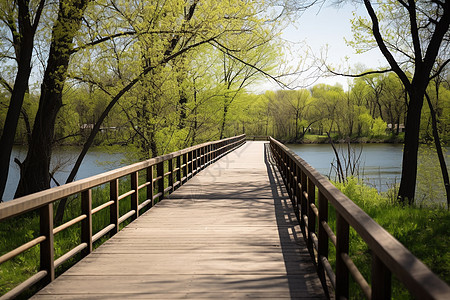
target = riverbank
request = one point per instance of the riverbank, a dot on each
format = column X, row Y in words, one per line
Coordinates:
column 422, row 230
column 324, row 139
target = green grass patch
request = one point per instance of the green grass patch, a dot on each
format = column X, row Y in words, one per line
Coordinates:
column 17, row 231
column 423, row 230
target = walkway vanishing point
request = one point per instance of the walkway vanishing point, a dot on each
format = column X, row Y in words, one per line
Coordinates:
column 229, row 232
column 252, row 223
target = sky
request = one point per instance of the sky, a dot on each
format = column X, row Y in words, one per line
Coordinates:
column 326, row 27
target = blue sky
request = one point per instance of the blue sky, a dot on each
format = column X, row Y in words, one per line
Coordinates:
column 327, row 27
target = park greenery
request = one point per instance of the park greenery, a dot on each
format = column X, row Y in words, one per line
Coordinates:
column 162, row 75
column 153, row 77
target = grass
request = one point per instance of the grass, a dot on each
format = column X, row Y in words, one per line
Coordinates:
column 423, row 230
column 19, row 230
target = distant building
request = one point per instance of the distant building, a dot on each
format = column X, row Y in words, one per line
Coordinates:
column 401, row 127
column 86, row 126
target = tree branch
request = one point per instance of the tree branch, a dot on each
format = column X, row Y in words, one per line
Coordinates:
column 359, row 75
column 37, row 17
column 225, row 50
column 102, row 40
column 441, row 68
column 100, row 86
column 66, row 137
column 6, row 85
column 414, row 31
column 384, row 50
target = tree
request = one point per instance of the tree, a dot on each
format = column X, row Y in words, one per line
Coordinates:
column 21, row 19
column 255, row 57
column 189, row 26
column 419, row 43
column 35, row 175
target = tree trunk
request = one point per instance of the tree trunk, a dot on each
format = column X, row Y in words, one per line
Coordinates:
column 410, row 149
column 23, row 43
column 12, row 116
column 437, row 143
column 35, row 174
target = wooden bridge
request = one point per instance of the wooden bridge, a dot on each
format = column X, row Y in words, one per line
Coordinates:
column 246, row 226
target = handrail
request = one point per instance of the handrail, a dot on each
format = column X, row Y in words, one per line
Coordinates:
column 388, row 254
column 181, row 166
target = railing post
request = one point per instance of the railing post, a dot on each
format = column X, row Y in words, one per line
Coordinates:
column 342, row 274
column 381, row 279
column 303, row 205
column 170, row 171
column 297, row 192
column 135, row 195
column 209, row 154
column 322, row 237
column 114, row 208
column 149, row 179
column 289, row 176
column 178, row 167
column 202, row 158
column 86, row 224
column 195, row 164
column 311, row 216
column 292, row 181
column 185, row 168
column 160, row 173
column 47, row 250
column 189, row 165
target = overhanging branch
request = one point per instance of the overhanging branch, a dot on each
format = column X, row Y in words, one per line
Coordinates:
column 359, row 75
column 226, row 51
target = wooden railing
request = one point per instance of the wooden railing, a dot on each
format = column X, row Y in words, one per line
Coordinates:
column 257, row 138
column 163, row 174
column 389, row 256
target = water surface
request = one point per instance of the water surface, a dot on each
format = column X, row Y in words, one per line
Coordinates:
column 97, row 161
column 379, row 164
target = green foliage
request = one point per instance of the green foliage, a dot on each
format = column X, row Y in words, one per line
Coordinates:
column 422, row 230
column 366, row 122
column 428, row 167
column 378, row 127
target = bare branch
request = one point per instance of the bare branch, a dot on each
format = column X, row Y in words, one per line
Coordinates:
column 66, row 137
column 387, row 54
column 415, row 31
column 226, row 51
column 441, row 68
column 37, row 17
column 6, row 85
column 359, row 75
column 102, row 40
column 100, row 86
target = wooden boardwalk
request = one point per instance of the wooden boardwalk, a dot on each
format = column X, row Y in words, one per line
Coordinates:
column 228, row 233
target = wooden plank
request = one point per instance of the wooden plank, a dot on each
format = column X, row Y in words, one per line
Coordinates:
column 230, row 232
column 217, row 283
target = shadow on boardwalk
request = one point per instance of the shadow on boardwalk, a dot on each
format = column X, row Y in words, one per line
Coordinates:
column 291, row 237
column 229, row 232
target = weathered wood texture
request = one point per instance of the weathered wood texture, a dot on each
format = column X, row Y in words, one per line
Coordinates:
column 230, row 232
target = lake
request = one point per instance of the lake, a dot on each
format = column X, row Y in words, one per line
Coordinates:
column 380, row 164
column 96, row 161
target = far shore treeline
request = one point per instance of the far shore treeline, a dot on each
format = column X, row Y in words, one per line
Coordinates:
column 372, row 110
